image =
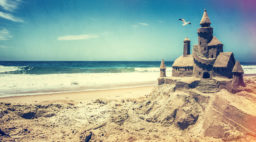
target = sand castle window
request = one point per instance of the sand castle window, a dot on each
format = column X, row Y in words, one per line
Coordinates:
column 206, row 75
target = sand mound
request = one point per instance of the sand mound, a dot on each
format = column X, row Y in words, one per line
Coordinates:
column 189, row 115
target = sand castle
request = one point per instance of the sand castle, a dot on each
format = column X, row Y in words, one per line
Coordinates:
column 208, row 61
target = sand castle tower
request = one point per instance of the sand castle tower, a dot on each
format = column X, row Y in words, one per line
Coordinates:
column 186, row 50
column 162, row 69
column 205, row 33
column 238, row 75
column 207, row 50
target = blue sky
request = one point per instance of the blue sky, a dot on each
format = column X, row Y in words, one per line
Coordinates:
column 131, row 30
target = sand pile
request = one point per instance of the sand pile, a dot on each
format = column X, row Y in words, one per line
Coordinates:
column 166, row 114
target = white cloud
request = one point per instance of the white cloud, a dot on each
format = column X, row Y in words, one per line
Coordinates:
column 77, row 37
column 9, row 5
column 5, row 35
column 143, row 24
column 139, row 25
column 10, row 17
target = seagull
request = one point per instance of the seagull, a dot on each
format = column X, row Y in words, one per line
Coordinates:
column 185, row 23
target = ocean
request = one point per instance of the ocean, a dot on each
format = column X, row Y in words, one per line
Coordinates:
column 41, row 77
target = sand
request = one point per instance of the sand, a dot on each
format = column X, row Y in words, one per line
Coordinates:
column 150, row 113
column 84, row 96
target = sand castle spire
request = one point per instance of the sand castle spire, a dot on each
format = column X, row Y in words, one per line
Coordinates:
column 238, row 68
column 205, row 21
column 186, row 39
column 237, row 75
column 162, row 69
column 162, row 66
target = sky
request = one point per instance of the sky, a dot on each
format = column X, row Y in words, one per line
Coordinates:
column 114, row 30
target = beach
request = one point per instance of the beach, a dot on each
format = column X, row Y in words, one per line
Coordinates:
column 127, row 71
column 131, row 114
column 84, row 96
column 63, row 113
column 81, row 101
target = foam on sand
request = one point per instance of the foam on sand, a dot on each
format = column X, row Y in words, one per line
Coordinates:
column 27, row 84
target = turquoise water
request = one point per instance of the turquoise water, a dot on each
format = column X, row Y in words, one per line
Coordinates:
column 58, row 67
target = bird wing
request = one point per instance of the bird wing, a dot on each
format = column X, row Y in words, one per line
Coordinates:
column 183, row 20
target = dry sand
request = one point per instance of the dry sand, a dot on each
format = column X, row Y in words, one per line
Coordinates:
column 159, row 113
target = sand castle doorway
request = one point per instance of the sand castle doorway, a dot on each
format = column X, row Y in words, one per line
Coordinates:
column 206, row 75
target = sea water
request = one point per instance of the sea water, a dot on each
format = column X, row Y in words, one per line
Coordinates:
column 41, row 77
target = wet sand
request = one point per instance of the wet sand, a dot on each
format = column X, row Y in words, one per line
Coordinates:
column 76, row 97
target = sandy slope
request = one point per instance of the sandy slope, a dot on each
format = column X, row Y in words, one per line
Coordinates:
column 161, row 114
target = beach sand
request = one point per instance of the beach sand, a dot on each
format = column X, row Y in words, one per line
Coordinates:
column 149, row 113
column 84, row 96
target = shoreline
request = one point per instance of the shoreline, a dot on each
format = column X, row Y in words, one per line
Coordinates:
column 81, row 89
column 81, row 96
column 88, row 90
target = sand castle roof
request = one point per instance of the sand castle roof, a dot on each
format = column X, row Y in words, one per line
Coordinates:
column 184, row 61
column 162, row 66
column 214, row 41
column 223, row 59
column 205, row 19
column 186, row 39
column 238, row 68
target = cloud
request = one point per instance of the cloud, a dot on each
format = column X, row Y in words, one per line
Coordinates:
column 143, row 24
column 5, row 35
column 9, row 5
column 10, row 17
column 77, row 37
column 139, row 25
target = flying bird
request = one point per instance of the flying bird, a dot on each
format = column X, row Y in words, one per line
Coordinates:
column 185, row 23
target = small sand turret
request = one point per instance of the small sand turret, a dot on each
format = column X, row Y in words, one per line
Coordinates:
column 162, row 69
column 237, row 75
column 186, row 50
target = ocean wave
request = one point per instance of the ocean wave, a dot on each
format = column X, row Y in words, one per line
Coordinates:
column 249, row 69
column 153, row 69
column 5, row 69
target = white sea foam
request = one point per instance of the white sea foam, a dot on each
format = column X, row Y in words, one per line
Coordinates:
column 4, row 69
column 20, row 84
column 152, row 69
column 249, row 69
